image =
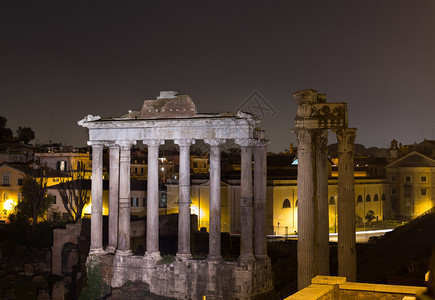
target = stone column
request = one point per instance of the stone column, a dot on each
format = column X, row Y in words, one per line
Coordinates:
column 306, row 207
column 322, row 247
column 124, row 198
column 346, row 204
column 183, row 251
column 113, row 197
column 246, row 242
column 260, row 184
column 214, row 240
column 153, row 198
column 96, row 246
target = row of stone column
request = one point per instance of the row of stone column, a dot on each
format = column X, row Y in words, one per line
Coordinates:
column 119, row 215
column 313, row 224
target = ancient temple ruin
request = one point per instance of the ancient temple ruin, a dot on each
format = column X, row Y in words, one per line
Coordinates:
column 314, row 118
column 174, row 117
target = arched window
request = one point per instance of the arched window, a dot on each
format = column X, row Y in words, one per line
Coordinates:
column 384, row 197
column 376, row 198
column 332, row 200
column 359, row 199
column 368, row 198
column 286, row 204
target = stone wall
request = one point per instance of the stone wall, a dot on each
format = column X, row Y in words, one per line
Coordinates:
column 192, row 279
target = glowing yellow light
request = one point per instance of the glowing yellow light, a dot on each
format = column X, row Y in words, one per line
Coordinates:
column 9, row 204
column 87, row 209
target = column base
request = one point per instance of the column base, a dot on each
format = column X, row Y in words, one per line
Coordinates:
column 214, row 258
column 247, row 258
column 184, row 256
column 155, row 256
column 111, row 249
column 123, row 252
column 97, row 251
column 261, row 257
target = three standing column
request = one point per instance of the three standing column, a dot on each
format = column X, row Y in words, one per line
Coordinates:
column 346, row 204
column 183, row 251
column 96, row 247
column 307, row 221
column 152, row 239
column 322, row 247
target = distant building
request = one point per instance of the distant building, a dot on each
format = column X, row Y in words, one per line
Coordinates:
column 12, row 176
column 411, row 180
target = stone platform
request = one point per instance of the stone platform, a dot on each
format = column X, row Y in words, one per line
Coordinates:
column 193, row 279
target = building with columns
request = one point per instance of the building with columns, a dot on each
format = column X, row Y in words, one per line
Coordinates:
column 174, row 117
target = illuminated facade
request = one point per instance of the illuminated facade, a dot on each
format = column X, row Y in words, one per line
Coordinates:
column 411, row 181
column 12, row 177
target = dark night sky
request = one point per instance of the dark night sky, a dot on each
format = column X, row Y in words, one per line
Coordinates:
column 61, row 60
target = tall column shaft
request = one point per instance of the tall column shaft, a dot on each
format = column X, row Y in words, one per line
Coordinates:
column 246, row 220
column 124, row 199
column 97, row 200
column 260, row 184
column 215, row 200
column 153, row 198
column 346, row 204
column 322, row 249
column 183, row 251
column 113, row 197
column 306, row 208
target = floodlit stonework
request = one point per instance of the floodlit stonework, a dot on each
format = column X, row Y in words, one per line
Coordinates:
column 174, row 117
column 314, row 118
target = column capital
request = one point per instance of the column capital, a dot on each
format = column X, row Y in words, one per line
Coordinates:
column 125, row 143
column 214, row 142
column 244, row 142
column 261, row 143
column 154, row 143
column 322, row 139
column 346, row 139
column 184, row 142
column 96, row 143
column 305, row 138
column 112, row 144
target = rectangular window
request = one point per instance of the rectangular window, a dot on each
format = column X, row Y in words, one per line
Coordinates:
column 135, row 170
column 423, row 178
column 393, row 191
column 141, row 170
column 393, row 178
column 423, row 192
column 163, row 201
column 134, row 202
column 61, row 165
column 408, row 192
column 408, row 178
column 54, row 200
column 5, row 180
column 20, row 181
column 144, row 202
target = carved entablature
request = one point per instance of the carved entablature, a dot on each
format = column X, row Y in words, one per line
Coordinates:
column 330, row 115
column 315, row 113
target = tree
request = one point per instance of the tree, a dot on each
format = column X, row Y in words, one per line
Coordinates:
column 74, row 192
column 370, row 216
column 35, row 200
column 6, row 134
column 25, row 134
